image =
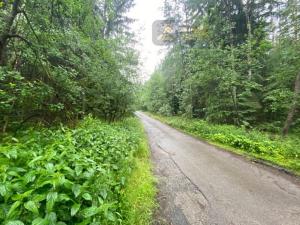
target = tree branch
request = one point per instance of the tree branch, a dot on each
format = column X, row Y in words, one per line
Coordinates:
column 9, row 36
column 30, row 25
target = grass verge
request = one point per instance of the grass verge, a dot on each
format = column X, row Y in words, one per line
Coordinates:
column 270, row 148
column 140, row 191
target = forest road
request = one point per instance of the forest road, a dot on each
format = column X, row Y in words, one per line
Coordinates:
column 200, row 184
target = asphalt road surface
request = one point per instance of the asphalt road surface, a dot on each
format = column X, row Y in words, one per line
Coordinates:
column 200, row 184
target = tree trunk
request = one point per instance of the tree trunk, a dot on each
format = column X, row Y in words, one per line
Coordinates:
column 4, row 36
column 293, row 108
column 5, row 124
column 249, row 39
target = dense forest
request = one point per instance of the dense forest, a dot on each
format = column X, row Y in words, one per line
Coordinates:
column 231, row 62
column 61, row 60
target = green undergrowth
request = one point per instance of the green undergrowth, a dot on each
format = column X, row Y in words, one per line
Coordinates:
column 97, row 173
column 284, row 152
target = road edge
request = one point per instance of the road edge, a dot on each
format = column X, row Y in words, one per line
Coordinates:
column 236, row 152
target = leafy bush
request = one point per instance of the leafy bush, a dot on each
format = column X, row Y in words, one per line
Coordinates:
column 273, row 148
column 68, row 176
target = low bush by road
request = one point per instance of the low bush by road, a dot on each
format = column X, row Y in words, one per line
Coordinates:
column 275, row 149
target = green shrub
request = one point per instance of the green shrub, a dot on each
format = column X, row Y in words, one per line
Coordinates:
column 68, row 176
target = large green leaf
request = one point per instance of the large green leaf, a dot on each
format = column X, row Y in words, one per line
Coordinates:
column 76, row 189
column 51, row 217
column 23, row 195
column 29, row 177
column 40, row 221
column 3, row 190
column 32, row 207
column 14, row 222
column 103, row 194
column 51, row 199
column 75, row 208
column 13, row 208
column 91, row 211
column 87, row 197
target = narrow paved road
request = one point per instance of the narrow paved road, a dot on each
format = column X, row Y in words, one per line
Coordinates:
column 200, row 184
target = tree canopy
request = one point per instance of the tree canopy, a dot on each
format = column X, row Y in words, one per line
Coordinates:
column 63, row 59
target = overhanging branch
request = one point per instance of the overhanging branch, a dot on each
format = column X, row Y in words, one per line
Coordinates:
column 10, row 36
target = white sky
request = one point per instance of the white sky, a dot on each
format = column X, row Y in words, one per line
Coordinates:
column 145, row 12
